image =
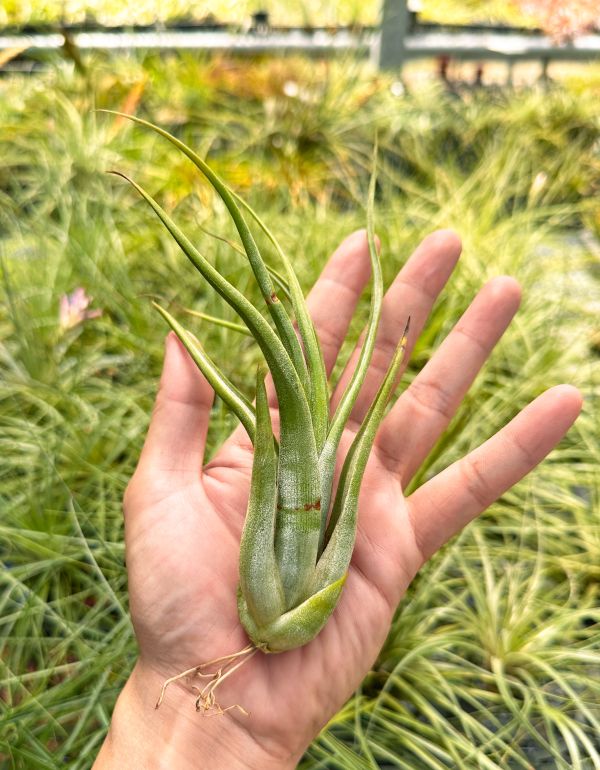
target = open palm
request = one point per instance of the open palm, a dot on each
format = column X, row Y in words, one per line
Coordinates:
column 183, row 522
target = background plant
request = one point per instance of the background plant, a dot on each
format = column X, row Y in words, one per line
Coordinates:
column 493, row 659
column 307, row 12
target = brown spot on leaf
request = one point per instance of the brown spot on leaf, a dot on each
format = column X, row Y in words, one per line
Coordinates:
column 313, row 506
column 316, row 506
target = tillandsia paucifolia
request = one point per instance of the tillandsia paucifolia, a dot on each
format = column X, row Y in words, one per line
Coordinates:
column 298, row 536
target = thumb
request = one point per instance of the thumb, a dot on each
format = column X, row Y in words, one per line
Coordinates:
column 177, row 434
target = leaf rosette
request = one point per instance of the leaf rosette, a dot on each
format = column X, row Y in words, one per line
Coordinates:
column 299, row 534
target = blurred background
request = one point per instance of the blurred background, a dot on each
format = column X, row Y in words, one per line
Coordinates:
column 488, row 121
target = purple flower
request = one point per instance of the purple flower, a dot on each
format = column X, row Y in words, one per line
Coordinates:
column 73, row 309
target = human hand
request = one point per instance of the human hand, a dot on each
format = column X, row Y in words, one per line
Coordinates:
column 183, row 524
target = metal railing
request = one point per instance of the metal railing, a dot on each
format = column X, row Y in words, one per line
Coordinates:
column 403, row 39
column 321, row 42
column 399, row 39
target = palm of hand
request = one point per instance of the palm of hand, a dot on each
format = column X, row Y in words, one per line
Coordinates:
column 183, row 526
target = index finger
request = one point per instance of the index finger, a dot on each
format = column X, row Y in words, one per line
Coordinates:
column 332, row 300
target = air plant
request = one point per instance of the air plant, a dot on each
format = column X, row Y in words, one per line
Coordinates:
column 298, row 535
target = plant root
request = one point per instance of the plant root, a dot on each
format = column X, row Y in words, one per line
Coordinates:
column 206, row 701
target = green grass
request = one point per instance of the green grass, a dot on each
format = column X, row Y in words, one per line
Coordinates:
column 493, row 660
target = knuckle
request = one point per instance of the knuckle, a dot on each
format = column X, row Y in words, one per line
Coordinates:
column 431, row 394
column 472, row 338
column 476, row 483
column 329, row 339
column 382, row 355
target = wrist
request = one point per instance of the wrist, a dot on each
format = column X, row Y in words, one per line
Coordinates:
column 175, row 736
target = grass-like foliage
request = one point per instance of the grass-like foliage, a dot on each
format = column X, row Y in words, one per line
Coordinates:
column 307, row 12
column 493, row 657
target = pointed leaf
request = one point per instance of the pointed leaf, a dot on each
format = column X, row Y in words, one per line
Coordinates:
column 341, row 530
column 223, row 387
column 319, row 394
column 218, row 321
column 346, row 404
column 276, row 309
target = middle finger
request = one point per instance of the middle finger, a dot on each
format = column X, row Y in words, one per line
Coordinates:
column 412, row 293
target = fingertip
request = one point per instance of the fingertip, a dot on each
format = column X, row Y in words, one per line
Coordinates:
column 556, row 410
column 432, row 263
column 181, row 379
column 174, row 354
column 350, row 260
column 567, row 398
column 506, row 290
column 179, row 423
column 446, row 240
column 174, row 346
column 359, row 239
column 171, row 341
column 358, row 236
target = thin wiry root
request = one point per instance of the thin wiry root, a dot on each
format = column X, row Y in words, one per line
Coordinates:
column 206, row 701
